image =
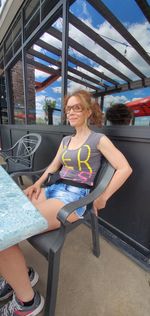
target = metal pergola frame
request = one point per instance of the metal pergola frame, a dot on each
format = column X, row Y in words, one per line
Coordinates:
column 101, row 85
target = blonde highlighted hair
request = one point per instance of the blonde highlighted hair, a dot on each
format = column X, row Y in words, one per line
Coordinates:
column 87, row 102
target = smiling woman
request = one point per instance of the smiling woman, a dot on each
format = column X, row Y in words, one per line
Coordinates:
column 78, row 159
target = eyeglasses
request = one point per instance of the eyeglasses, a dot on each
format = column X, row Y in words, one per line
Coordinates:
column 76, row 108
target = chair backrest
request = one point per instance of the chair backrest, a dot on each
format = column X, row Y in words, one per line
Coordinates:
column 26, row 147
column 28, row 144
column 104, row 165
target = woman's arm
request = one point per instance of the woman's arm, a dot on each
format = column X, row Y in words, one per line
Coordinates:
column 52, row 168
column 123, row 171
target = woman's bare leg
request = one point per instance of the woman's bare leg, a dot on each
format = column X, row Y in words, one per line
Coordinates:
column 49, row 209
column 12, row 263
column 13, row 268
column 41, row 197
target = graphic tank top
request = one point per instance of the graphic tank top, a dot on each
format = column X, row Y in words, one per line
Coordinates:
column 81, row 165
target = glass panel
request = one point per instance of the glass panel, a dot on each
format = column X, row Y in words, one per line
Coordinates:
column 16, row 28
column 31, row 90
column 1, row 64
column 8, row 41
column 48, row 101
column 47, row 87
column 30, row 9
column 48, row 4
column 17, row 44
column 17, row 93
column 8, row 55
column 1, row 52
column 33, row 23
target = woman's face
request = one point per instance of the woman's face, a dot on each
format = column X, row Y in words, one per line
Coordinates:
column 76, row 113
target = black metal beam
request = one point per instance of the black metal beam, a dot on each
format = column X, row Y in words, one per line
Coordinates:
column 87, row 53
column 109, row 16
column 81, row 82
column 125, row 87
column 48, row 47
column 64, row 62
column 70, row 69
column 50, row 18
column 24, row 72
column 91, row 70
column 73, row 60
column 100, row 41
column 145, row 8
column 58, row 63
column 85, row 76
column 39, row 55
column 43, row 67
column 9, row 97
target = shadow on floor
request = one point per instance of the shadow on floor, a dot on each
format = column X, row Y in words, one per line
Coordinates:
column 111, row 285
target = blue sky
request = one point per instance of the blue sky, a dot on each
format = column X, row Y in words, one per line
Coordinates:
column 130, row 15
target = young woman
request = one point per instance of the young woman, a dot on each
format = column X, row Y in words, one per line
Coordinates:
column 79, row 159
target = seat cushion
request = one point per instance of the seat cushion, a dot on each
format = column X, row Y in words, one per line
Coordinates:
column 46, row 241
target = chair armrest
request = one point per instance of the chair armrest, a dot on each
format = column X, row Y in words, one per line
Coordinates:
column 6, row 150
column 7, row 158
column 68, row 209
column 18, row 157
column 105, row 177
column 9, row 149
column 17, row 174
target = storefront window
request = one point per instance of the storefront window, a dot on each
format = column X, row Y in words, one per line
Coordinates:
column 17, row 93
column 3, row 103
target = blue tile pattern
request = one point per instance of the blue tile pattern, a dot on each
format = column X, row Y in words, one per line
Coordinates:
column 19, row 219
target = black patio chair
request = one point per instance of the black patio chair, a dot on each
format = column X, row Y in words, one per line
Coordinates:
column 50, row 244
column 20, row 156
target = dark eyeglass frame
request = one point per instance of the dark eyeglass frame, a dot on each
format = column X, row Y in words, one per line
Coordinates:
column 77, row 108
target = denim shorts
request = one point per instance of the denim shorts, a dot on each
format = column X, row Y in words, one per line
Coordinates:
column 67, row 193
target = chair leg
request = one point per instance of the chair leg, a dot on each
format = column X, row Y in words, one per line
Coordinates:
column 95, row 235
column 52, row 282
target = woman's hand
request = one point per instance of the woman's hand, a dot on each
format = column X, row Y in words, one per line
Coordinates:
column 99, row 203
column 33, row 189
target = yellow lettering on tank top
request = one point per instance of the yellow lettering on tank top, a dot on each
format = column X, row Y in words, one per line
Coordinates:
column 66, row 160
column 80, row 162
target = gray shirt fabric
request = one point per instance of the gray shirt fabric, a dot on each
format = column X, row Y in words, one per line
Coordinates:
column 82, row 164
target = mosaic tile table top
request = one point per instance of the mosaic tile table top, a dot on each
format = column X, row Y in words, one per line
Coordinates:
column 19, row 219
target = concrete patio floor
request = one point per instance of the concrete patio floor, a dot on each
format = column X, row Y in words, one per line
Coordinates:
column 111, row 285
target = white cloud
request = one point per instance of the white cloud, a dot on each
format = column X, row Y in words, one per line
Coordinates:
column 56, row 89
column 140, row 31
column 58, row 24
column 43, row 92
column 51, row 40
column 110, row 99
column 41, row 74
column 37, row 48
column 85, row 10
column 40, row 100
column 39, row 105
column 72, row 86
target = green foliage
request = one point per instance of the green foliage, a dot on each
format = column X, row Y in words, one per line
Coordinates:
column 49, row 104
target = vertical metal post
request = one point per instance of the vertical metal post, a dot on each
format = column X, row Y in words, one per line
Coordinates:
column 64, row 64
column 8, row 97
column 102, row 103
column 24, row 70
column 8, row 91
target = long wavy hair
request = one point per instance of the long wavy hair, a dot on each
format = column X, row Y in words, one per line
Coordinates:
column 87, row 102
